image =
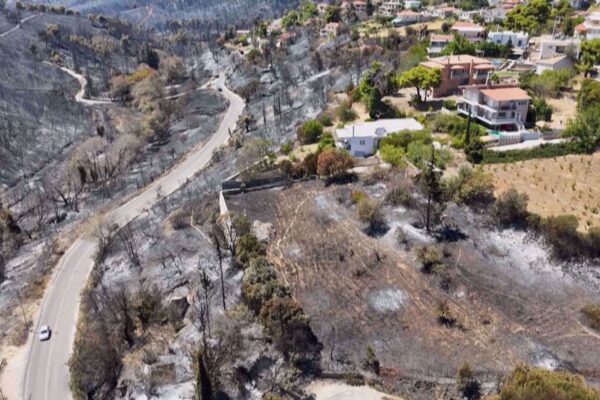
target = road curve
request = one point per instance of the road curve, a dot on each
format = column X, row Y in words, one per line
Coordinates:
column 46, row 372
column 80, row 96
column 18, row 26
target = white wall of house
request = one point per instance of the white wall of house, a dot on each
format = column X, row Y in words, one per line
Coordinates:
column 552, row 48
column 564, row 63
column 517, row 39
column 362, row 146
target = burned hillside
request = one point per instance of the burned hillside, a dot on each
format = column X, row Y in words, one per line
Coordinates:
column 504, row 300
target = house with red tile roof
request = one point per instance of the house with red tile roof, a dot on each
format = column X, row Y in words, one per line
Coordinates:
column 459, row 70
column 497, row 106
column 437, row 43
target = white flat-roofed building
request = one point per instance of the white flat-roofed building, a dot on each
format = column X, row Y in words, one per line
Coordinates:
column 362, row 139
column 516, row 39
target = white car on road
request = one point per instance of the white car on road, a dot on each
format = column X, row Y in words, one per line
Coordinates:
column 45, row 333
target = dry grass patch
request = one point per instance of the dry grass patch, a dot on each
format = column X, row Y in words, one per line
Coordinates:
column 556, row 186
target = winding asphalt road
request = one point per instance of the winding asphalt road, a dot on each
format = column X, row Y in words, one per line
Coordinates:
column 46, row 372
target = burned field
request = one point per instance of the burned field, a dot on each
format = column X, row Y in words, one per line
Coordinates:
column 506, row 301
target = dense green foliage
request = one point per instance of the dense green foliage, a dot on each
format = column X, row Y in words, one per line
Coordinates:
column 544, row 151
column 471, row 186
column 529, row 17
column 589, row 56
column 585, row 129
column 423, row 79
column 310, row 131
column 589, row 94
column 547, row 84
column 460, row 45
column 392, row 155
column 412, row 57
column 416, row 147
column 527, row 383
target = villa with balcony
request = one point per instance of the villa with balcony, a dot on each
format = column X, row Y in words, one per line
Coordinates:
column 437, row 43
column 499, row 107
column 459, row 70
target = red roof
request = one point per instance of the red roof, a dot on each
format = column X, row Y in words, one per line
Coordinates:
column 581, row 27
column 506, row 94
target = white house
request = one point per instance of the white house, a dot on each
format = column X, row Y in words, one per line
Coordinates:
column 553, row 64
column 590, row 28
column 516, row 39
column 472, row 32
column 362, row 139
column 408, row 17
column 412, row 4
column 389, row 8
column 550, row 48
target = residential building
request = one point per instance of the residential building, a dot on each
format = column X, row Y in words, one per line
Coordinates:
column 553, row 64
column 459, row 70
column 550, row 48
column 499, row 107
column 488, row 15
column 472, row 32
column 390, row 8
column 330, row 29
column 590, row 28
column 516, row 39
column 360, row 6
column 412, row 4
column 362, row 139
column 437, row 43
column 445, row 12
column 408, row 17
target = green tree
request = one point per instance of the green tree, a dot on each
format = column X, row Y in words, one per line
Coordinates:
column 290, row 19
column 310, row 131
column 421, row 78
column 589, row 94
column 392, row 155
column 459, row 45
column 528, row 17
column 308, row 9
column 589, row 57
column 585, row 129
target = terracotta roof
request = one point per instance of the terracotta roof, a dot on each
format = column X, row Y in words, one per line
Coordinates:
column 459, row 59
column 581, row 27
column 484, row 66
column 461, row 25
column 431, row 64
column 457, row 67
column 505, row 94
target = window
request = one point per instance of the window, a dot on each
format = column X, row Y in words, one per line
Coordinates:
column 362, row 142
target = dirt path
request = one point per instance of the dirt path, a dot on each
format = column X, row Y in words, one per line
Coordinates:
column 333, row 390
column 18, row 26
